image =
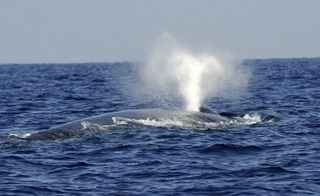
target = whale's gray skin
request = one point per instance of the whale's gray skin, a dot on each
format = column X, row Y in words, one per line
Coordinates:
column 75, row 128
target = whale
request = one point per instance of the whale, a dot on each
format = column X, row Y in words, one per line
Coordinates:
column 76, row 127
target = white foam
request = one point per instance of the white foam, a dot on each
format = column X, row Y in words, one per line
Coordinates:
column 95, row 126
column 151, row 122
column 252, row 118
column 20, row 135
column 248, row 119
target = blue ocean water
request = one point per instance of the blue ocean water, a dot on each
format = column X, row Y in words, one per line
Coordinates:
column 278, row 157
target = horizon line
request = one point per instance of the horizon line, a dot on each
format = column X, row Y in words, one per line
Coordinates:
column 133, row 61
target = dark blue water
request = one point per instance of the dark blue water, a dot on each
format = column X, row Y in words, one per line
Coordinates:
column 268, row 158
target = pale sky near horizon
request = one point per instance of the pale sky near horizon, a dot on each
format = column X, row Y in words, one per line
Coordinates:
column 39, row 31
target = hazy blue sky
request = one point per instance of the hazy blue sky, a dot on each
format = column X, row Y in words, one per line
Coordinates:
column 103, row 31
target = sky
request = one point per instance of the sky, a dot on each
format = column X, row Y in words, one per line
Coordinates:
column 72, row 31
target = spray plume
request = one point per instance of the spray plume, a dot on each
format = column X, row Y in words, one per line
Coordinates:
column 175, row 72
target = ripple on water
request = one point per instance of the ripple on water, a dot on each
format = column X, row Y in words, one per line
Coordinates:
column 279, row 157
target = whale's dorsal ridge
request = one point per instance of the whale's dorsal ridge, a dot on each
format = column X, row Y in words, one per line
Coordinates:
column 110, row 119
column 206, row 110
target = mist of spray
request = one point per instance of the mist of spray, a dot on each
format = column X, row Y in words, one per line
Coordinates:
column 175, row 72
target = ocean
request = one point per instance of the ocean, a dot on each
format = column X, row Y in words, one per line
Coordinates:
column 276, row 156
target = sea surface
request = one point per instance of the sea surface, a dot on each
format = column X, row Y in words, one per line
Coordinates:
column 277, row 156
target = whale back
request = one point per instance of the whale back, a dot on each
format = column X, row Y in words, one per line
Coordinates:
column 74, row 128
